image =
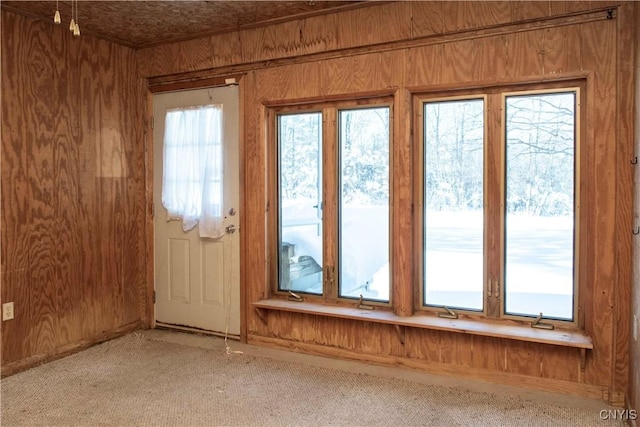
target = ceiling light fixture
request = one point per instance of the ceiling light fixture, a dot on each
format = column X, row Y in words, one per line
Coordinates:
column 56, row 17
column 76, row 29
column 73, row 25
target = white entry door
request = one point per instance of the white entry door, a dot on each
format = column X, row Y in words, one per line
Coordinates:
column 197, row 280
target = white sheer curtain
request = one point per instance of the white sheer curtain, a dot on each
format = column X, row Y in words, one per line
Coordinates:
column 193, row 168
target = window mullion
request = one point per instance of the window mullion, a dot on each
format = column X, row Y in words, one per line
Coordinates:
column 494, row 184
column 330, row 190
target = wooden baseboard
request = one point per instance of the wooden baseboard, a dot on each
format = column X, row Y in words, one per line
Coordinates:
column 66, row 350
column 516, row 380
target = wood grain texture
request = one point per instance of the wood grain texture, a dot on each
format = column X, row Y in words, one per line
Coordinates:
column 522, row 55
column 15, row 210
column 108, row 175
column 627, row 26
column 66, row 157
column 462, row 15
column 634, row 354
column 401, row 219
column 72, row 160
column 518, row 380
column 427, row 18
column 42, row 235
column 580, row 5
column 364, row 25
column 599, row 45
column 424, row 65
column 454, row 70
column 277, row 83
column 255, row 203
column 138, row 24
column 524, row 10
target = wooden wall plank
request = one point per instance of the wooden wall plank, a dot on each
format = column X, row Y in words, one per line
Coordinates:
column 16, row 209
column 627, row 26
column 634, row 354
column 493, row 69
column 454, row 70
column 456, row 349
column 562, row 53
column 523, row 54
column 357, row 73
column 42, row 232
column 599, row 49
column 427, row 18
column 401, row 219
column 318, row 34
column 561, row 363
column 423, row 344
column 276, row 83
column 488, row 353
column 424, row 65
column 273, row 41
column 87, row 171
column 523, row 358
column 66, row 156
column 363, row 26
column 558, row 8
column 524, row 10
column 71, row 101
column 463, row 15
column 227, row 49
column 134, row 256
column 255, row 205
column 194, row 54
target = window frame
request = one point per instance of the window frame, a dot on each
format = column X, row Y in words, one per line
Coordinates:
column 330, row 164
column 494, row 188
column 419, row 204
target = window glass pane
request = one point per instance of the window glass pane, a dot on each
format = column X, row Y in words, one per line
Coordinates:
column 300, row 191
column 453, row 204
column 364, row 203
column 539, row 228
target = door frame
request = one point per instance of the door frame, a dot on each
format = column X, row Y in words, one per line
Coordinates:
column 147, row 311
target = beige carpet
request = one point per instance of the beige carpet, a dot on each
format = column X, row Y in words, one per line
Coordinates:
column 160, row 378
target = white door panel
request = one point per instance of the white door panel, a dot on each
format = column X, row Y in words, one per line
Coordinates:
column 198, row 279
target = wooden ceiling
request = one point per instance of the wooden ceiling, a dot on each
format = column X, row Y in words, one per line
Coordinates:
column 140, row 24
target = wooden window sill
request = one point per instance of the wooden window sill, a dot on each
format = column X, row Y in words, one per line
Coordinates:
column 485, row 328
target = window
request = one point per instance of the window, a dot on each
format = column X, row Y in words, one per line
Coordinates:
column 453, row 203
column 499, row 220
column 333, row 195
column 192, row 168
column 540, row 204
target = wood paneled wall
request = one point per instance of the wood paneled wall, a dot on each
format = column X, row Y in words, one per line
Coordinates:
column 73, row 255
column 406, row 47
column 634, row 354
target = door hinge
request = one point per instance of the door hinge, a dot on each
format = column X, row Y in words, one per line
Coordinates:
column 153, row 122
column 153, row 210
column 154, row 297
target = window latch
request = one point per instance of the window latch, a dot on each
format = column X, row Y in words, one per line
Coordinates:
column 295, row 297
column 448, row 314
column 541, row 325
column 364, row 306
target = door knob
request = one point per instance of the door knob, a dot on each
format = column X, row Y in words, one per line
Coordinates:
column 230, row 229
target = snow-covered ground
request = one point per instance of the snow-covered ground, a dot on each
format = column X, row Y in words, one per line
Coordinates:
column 539, row 267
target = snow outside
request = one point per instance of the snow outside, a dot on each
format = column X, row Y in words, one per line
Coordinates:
column 539, row 159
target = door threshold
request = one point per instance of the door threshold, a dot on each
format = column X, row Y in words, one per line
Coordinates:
column 193, row 330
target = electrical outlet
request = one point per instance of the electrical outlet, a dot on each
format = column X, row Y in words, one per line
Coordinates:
column 635, row 327
column 7, row 311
